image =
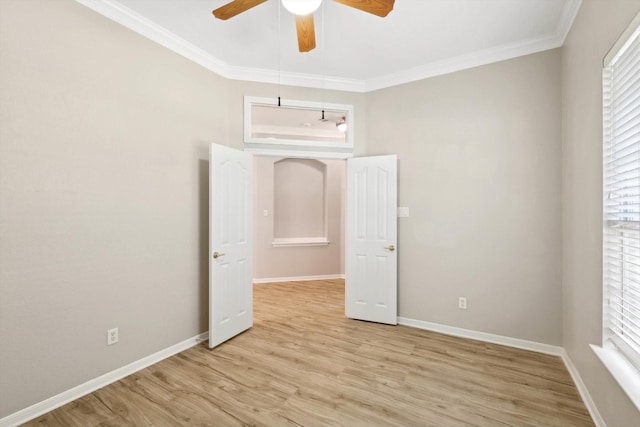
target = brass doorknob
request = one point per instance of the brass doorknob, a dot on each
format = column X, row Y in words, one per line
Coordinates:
column 217, row 255
column 390, row 248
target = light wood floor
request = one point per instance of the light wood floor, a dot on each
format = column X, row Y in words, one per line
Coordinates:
column 304, row 363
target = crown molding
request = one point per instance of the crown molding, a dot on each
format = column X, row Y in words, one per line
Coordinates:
column 569, row 14
column 463, row 62
column 316, row 81
column 117, row 12
column 121, row 14
column 149, row 29
column 483, row 57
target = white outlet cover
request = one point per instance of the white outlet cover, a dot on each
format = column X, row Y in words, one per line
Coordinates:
column 403, row 212
column 112, row 336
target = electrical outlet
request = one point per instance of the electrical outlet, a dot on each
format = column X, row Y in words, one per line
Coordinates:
column 112, row 336
column 462, row 303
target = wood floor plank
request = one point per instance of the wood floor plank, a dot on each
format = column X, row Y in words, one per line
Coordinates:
column 304, row 364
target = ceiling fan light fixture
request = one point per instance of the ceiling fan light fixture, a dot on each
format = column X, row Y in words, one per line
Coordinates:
column 301, row 7
column 342, row 125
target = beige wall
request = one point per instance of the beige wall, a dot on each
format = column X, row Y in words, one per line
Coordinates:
column 104, row 210
column 103, row 218
column 278, row 262
column 104, row 139
column 596, row 28
column 479, row 168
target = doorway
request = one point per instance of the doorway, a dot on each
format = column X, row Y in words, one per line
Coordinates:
column 371, row 225
column 299, row 219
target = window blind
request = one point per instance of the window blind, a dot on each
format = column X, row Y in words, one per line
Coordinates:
column 621, row 207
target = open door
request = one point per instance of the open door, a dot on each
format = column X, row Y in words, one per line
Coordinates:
column 371, row 267
column 230, row 243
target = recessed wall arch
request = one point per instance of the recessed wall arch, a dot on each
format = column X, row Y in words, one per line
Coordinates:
column 300, row 202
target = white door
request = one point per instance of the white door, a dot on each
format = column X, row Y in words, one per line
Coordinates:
column 371, row 267
column 230, row 243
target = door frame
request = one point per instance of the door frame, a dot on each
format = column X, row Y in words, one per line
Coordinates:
column 344, row 213
column 343, row 195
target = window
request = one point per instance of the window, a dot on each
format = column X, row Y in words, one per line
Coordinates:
column 621, row 210
column 285, row 127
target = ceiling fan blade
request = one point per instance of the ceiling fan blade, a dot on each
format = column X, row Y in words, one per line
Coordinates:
column 306, row 33
column 234, row 8
column 377, row 7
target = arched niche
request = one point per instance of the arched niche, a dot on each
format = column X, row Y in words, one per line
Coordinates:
column 300, row 202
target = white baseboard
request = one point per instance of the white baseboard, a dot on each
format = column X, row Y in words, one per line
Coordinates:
column 298, row 279
column 65, row 397
column 582, row 389
column 517, row 343
column 483, row 336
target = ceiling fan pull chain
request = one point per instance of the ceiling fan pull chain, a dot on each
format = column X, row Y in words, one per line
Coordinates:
column 279, row 51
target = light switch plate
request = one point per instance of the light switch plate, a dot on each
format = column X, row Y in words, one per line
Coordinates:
column 403, row 212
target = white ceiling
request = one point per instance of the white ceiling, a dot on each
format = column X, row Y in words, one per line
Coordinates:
column 355, row 51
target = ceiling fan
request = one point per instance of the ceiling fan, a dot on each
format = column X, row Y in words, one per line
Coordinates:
column 303, row 9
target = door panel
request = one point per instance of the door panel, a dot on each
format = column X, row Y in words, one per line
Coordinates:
column 371, row 268
column 230, row 243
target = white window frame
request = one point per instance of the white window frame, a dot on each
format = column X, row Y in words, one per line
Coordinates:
column 620, row 349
